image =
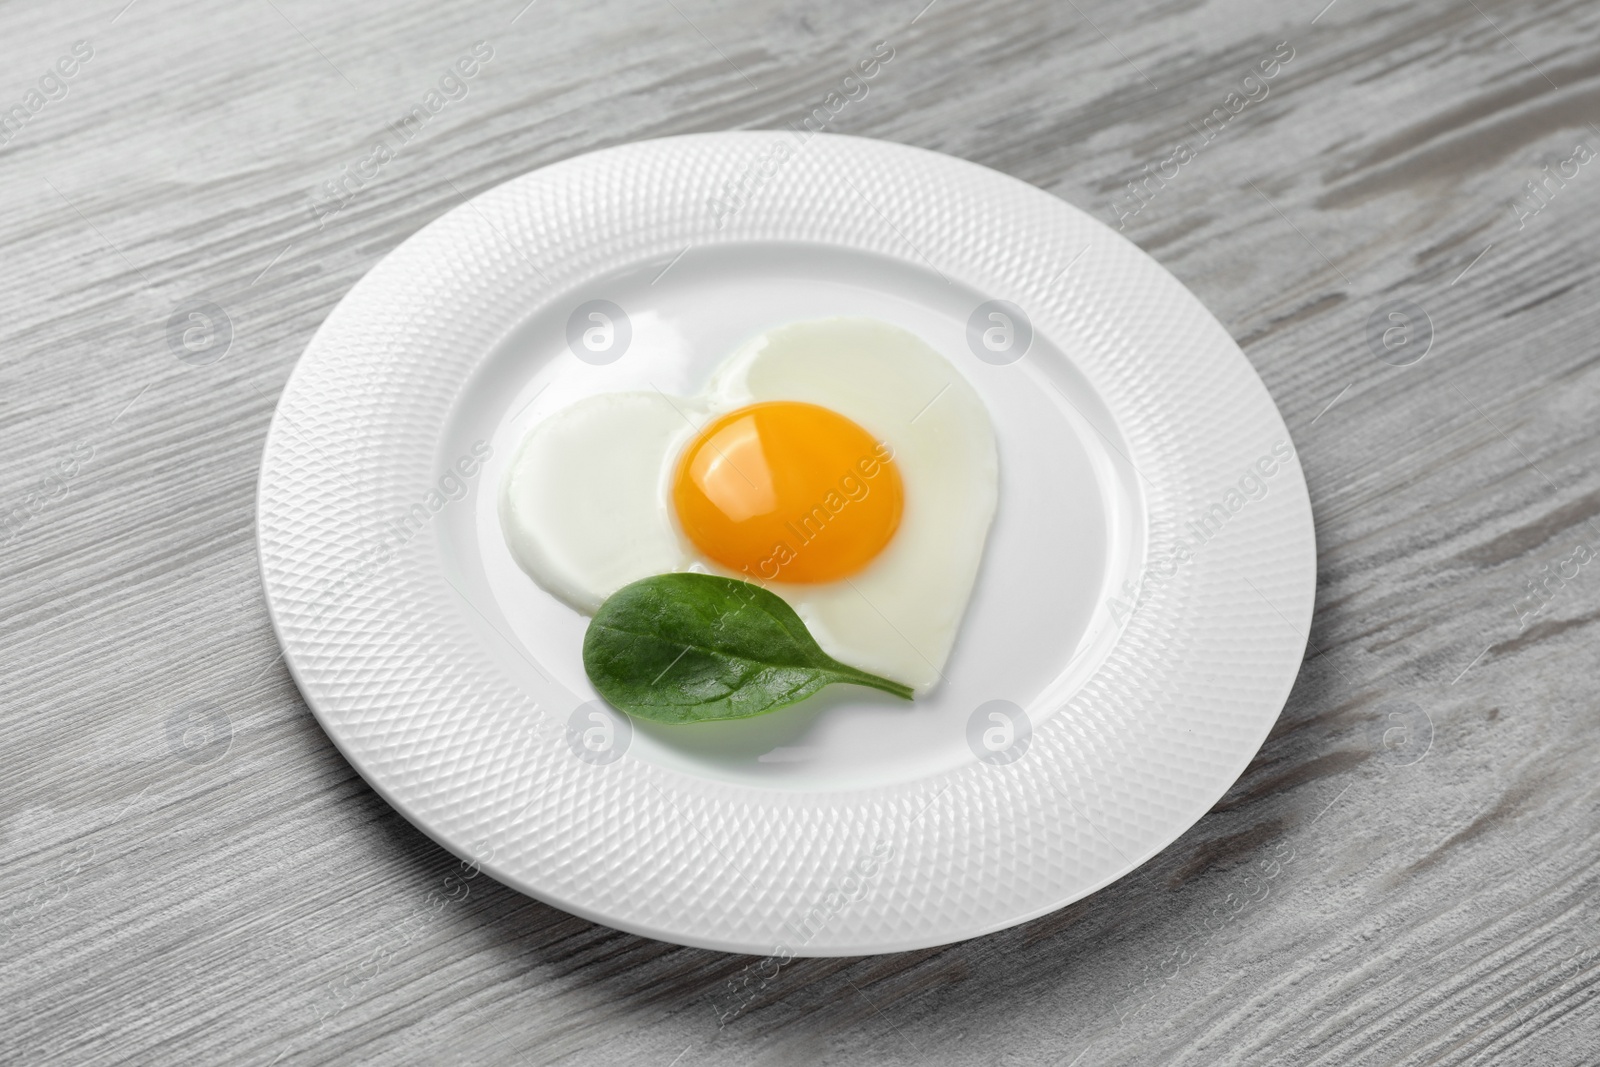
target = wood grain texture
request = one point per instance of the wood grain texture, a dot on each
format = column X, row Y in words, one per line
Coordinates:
column 178, row 888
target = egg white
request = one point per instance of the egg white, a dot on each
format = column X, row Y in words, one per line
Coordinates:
column 586, row 504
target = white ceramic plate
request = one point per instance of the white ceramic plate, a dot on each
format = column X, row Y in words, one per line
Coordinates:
column 1137, row 621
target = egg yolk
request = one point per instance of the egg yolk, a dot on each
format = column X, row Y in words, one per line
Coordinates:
column 787, row 491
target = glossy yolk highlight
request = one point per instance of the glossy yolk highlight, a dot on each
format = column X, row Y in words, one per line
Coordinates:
column 786, row 491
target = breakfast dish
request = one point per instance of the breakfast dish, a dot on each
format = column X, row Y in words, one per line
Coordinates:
column 893, row 557
column 841, row 463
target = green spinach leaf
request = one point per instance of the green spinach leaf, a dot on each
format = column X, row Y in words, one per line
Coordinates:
column 681, row 648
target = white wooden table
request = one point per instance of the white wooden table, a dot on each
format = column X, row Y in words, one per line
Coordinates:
column 1408, row 873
